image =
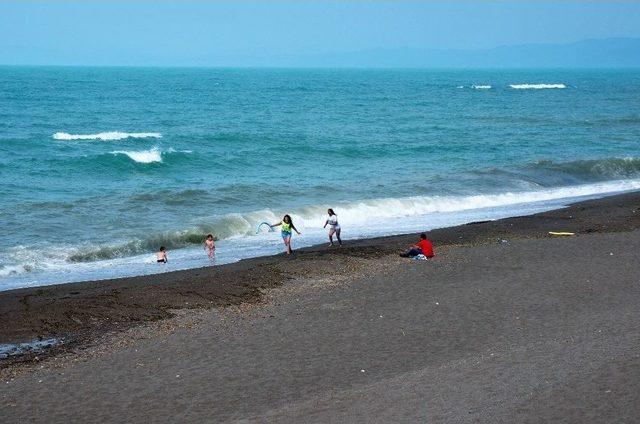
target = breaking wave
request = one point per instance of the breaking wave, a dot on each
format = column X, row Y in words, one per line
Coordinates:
column 536, row 86
column 362, row 214
column 8, row 270
column 105, row 136
column 153, row 155
column 142, row 156
column 587, row 170
column 481, row 87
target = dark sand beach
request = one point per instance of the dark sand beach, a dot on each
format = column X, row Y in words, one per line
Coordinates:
column 507, row 324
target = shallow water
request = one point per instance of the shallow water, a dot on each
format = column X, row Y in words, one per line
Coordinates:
column 36, row 346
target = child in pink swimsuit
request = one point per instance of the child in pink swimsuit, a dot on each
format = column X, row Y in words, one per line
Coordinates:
column 210, row 247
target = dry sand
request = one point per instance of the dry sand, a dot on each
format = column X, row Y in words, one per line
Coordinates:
column 534, row 329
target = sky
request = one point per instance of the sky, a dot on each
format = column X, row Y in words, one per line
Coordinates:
column 224, row 33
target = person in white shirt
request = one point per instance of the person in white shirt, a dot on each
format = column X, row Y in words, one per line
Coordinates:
column 334, row 227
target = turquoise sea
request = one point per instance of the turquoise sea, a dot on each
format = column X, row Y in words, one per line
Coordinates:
column 101, row 166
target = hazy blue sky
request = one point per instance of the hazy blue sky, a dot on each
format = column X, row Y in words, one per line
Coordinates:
column 93, row 32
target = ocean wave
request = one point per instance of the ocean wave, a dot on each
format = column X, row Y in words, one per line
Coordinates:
column 362, row 214
column 223, row 227
column 142, row 156
column 169, row 239
column 618, row 120
column 389, row 208
column 172, row 197
column 544, row 174
column 9, row 270
column 587, row 170
column 105, row 136
column 536, row 86
column 481, row 87
column 153, row 155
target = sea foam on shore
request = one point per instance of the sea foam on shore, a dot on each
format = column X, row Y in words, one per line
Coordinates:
column 239, row 240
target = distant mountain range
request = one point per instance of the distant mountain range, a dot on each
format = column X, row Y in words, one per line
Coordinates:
column 602, row 53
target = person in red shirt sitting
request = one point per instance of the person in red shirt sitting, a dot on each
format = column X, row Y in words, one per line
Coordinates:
column 423, row 247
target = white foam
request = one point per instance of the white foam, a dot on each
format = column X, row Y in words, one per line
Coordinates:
column 105, row 136
column 368, row 211
column 481, row 87
column 16, row 349
column 142, row 156
column 536, row 86
column 371, row 214
column 367, row 218
column 8, row 270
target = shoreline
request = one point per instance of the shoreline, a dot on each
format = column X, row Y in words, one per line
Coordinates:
column 530, row 329
column 320, row 245
column 74, row 269
column 81, row 312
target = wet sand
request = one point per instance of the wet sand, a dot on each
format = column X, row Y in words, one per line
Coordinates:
column 507, row 324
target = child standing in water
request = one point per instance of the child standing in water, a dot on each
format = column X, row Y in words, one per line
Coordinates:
column 334, row 227
column 210, row 247
column 286, row 225
column 161, row 255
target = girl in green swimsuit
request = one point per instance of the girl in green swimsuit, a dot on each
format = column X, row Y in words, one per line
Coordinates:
column 286, row 225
